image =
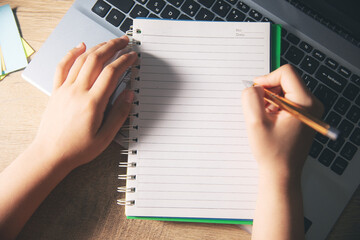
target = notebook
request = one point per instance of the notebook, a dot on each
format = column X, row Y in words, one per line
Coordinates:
column 189, row 158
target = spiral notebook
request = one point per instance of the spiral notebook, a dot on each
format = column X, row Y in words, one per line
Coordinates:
column 189, row 158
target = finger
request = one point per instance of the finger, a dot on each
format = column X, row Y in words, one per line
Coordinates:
column 117, row 116
column 291, row 84
column 106, row 83
column 95, row 61
column 76, row 67
column 63, row 68
column 252, row 100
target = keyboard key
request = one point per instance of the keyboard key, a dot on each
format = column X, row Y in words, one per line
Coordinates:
column 333, row 119
column 318, row 55
column 204, row 15
column 339, row 165
column 331, row 63
column 284, row 46
column 310, row 82
column 353, row 114
column 309, row 64
column 337, row 144
column 176, row 3
column 235, row 16
column 355, row 136
column 345, row 128
column 101, row 8
column 326, row 96
column 293, row 39
column 218, row 19
column 243, row 7
column 255, row 14
column 282, row 60
column 221, row 8
column 348, row 151
column 139, row 11
column 344, row 71
column 315, row 149
column 342, row 105
column 115, row 17
column 186, row 17
column 249, row 20
column 123, row 5
column 351, row 91
column 299, row 72
column 321, row 138
column 265, row 19
column 190, row 7
column 231, row 1
column 170, row 13
column 326, row 157
column 294, row 55
column 151, row 15
column 306, row 47
column 207, row 3
column 331, row 78
column 355, row 79
column 156, row 5
column 126, row 24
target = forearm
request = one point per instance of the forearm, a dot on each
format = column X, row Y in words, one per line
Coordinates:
column 24, row 185
column 279, row 209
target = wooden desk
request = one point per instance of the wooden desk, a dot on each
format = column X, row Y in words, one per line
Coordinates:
column 83, row 205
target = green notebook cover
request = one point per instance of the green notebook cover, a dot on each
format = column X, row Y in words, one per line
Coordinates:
column 275, row 63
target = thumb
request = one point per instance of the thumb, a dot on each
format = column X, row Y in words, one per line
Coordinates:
column 117, row 115
column 253, row 105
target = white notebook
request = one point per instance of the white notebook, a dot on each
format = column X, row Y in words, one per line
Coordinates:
column 190, row 158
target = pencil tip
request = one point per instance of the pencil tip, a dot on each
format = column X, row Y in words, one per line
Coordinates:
column 333, row 133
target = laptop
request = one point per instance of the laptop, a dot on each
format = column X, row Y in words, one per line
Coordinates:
column 320, row 38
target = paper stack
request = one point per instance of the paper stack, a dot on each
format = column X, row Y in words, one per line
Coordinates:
column 14, row 50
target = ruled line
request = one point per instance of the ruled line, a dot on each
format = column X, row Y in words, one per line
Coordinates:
column 205, row 44
column 194, row 66
column 192, row 36
column 192, row 51
column 207, row 59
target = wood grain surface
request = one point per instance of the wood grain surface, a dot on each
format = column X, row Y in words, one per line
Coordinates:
column 83, row 205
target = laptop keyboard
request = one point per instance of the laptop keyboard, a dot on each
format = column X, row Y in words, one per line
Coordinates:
column 334, row 85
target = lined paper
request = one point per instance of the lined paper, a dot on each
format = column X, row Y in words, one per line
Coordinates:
column 193, row 158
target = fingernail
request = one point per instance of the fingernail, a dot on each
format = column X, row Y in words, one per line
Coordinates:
column 80, row 45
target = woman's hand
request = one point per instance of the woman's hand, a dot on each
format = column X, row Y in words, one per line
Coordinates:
column 279, row 141
column 74, row 127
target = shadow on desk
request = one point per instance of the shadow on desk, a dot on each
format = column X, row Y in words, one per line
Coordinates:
column 83, row 206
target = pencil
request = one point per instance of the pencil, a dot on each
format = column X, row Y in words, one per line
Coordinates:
column 301, row 114
column 3, row 67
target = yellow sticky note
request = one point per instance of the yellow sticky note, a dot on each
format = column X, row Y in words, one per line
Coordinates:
column 28, row 52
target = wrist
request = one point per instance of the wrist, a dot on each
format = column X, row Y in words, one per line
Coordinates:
column 50, row 160
column 282, row 179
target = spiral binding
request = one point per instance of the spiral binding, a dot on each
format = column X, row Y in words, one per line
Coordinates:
column 126, row 177
column 125, row 202
column 128, row 152
column 125, row 189
column 127, row 164
column 134, row 77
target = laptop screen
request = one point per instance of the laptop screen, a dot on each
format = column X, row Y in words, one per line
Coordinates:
column 344, row 13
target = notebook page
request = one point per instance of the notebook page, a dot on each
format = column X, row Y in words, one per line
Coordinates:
column 193, row 159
